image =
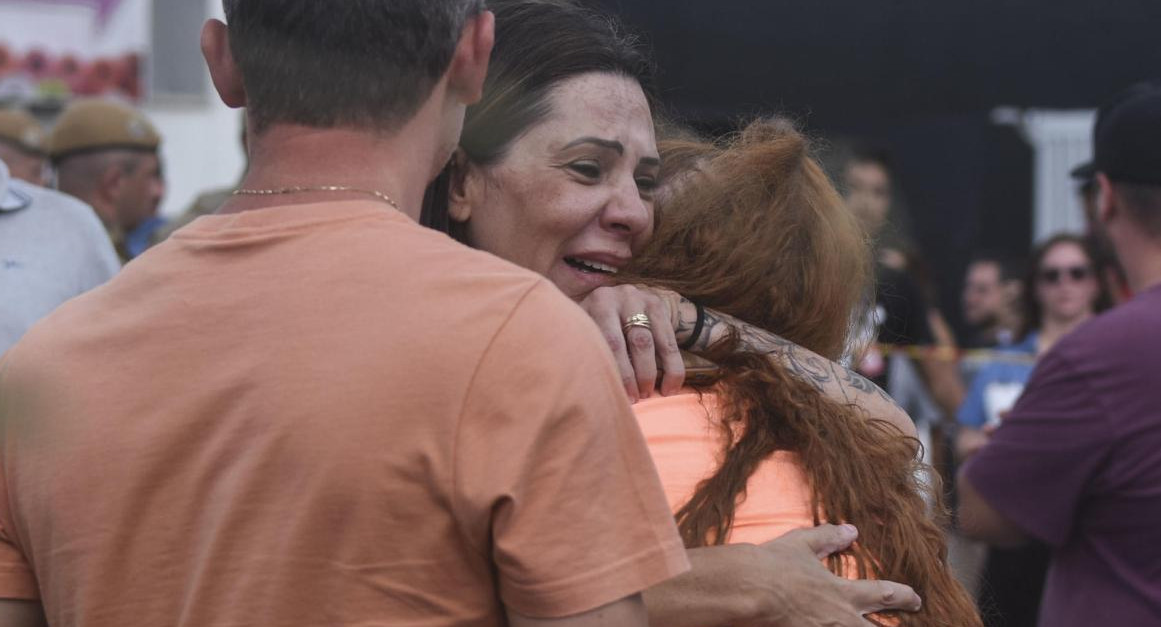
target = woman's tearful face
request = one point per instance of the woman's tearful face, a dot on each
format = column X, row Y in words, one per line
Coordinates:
column 573, row 197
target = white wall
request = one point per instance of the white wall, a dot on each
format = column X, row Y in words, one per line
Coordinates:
column 201, row 146
column 1062, row 140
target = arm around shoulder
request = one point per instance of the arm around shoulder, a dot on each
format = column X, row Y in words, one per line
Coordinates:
column 837, row 382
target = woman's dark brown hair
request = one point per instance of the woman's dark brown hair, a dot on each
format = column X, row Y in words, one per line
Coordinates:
column 759, row 232
column 1033, row 312
column 539, row 44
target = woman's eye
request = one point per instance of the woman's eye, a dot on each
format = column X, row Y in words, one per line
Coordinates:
column 586, row 169
column 647, row 184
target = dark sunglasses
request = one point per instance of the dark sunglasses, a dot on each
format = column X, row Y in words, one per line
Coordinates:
column 1055, row 275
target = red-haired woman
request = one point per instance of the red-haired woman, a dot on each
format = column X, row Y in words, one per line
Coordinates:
column 755, row 230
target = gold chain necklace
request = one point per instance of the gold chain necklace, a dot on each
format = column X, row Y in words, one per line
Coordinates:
column 317, row 188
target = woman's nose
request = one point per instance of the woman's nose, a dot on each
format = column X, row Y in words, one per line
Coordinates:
column 627, row 212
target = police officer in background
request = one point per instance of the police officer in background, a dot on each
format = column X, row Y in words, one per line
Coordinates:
column 106, row 154
column 22, row 142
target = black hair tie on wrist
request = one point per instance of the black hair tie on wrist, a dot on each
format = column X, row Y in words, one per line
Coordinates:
column 697, row 327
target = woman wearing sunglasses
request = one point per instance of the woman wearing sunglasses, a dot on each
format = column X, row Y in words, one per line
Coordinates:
column 1063, row 290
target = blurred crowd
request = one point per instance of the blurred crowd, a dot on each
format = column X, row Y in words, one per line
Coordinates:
column 489, row 345
column 960, row 389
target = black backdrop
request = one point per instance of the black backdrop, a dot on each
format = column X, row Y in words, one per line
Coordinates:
column 919, row 76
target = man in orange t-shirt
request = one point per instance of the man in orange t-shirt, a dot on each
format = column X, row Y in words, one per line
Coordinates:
column 309, row 410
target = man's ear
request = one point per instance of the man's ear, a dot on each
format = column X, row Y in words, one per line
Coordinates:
column 462, row 187
column 1106, row 207
column 220, row 62
column 469, row 66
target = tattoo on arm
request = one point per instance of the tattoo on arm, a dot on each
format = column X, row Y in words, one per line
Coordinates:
column 686, row 323
column 809, row 367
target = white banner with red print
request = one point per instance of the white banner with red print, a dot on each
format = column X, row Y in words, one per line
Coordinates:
column 52, row 50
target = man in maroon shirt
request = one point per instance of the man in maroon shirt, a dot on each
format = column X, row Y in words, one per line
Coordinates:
column 1077, row 464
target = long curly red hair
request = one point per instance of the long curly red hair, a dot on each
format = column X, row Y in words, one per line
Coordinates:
column 752, row 227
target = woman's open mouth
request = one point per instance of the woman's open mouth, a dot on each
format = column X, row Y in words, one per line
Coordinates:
column 590, row 267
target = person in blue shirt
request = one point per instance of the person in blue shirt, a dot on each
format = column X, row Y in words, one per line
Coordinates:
column 998, row 383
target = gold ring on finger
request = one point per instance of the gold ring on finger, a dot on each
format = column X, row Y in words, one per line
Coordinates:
column 637, row 321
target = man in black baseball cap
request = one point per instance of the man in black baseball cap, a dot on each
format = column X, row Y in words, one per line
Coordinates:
column 1127, row 139
column 1085, row 438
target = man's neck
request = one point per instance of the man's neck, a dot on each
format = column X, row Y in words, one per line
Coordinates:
column 1145, row 273
column 397, row 166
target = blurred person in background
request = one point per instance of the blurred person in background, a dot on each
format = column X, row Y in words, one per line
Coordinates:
column 106, row 154
column 900, row 320
column 1065, row 290
column 907, row 382
column 991, row 304
column 1077, row 463
column 911, row 353
column 52, row 248
column 147, row 233
column 22, row 146
column 992, row 297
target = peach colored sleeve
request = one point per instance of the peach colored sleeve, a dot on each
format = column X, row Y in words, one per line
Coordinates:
column 552, row 467
column 16, row 578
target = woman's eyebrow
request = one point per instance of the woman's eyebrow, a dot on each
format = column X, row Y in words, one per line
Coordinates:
column 611, row 144
column 603, row 143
